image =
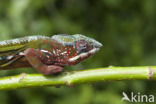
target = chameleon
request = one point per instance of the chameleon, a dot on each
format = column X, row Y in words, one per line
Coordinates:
column 48, row 55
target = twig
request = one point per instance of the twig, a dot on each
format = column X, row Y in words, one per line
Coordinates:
column 78, row 77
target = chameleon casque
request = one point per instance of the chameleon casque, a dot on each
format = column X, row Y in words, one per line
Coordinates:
column 48, row 55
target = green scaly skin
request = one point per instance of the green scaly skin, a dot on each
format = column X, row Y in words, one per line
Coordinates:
column 12, row 48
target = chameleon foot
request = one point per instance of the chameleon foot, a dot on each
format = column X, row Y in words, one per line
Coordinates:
column 32, row 55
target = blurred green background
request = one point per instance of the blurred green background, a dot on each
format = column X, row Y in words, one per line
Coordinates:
column 125, row 27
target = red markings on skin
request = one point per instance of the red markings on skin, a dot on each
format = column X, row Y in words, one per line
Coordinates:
column 32, row 57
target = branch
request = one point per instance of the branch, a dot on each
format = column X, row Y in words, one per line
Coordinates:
column 78, row 77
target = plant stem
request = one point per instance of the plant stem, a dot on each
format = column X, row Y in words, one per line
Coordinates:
column 78, row 77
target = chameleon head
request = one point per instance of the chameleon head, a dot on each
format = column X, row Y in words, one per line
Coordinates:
column 83, row 46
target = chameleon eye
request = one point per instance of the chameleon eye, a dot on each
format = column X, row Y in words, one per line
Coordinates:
column 82, row 46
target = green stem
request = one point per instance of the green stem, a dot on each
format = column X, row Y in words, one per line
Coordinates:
column 78, row 77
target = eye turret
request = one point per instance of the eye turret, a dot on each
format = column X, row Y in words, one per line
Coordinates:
column 82, row 46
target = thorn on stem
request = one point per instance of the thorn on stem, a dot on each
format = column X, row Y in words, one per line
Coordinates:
column 22, row 75
column 151, row 72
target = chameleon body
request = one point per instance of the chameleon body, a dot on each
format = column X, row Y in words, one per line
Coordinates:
column 47, row 55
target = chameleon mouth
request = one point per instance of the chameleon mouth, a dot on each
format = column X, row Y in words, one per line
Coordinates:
column 84, row 55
